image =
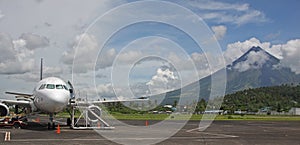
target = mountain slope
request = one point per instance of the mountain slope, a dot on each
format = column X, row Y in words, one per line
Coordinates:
column 256, row 68
column 262, row 69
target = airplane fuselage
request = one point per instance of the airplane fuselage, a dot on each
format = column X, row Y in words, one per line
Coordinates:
column 51, row 95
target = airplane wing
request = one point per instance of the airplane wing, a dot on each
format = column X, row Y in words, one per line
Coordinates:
column 23, row 99
column 107, row 101
column 22, row 103
column 18, row 95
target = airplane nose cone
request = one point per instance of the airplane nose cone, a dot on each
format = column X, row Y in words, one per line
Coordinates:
column 53, row 102
column 59, row 101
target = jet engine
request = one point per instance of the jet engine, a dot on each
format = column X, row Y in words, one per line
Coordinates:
column 4, row 111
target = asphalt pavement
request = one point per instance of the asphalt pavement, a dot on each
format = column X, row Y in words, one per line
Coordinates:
column 219, row 132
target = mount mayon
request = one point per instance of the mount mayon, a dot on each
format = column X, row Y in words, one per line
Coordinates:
column 256, row 68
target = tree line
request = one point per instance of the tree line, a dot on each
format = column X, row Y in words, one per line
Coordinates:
column 276, row 98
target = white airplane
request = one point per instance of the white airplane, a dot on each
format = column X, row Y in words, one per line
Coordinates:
column 51, row 95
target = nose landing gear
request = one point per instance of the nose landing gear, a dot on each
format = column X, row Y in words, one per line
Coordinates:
column 51, row 123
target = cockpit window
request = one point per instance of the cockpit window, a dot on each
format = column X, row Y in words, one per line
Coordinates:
column 59, row 87
column 42, row 86
column 65, row 87
column 50, row 86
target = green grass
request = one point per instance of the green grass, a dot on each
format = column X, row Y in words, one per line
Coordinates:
column 259, row 117
column 120, row 116
column 199, row 117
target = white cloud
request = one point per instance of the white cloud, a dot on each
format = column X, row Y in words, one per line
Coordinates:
column 203, row 66
column 287, row 53
column 1, row 14
column 100, row 91
column 222, row 12
column 106, row 58
column 219, row 31
column 196, row 66
column 34, row 74
column 19, row 43
column 128, row 57
column 6, row 48
column 163, row 81
column 105, row 90
column 16, row 67
column 15, row 58
column 290, row 53
column 83, row 52
column 140, row 89
column 34, row 41
column 52, row 71
column 180, row 61
column 28, row 77
column 253, row 16
column 254, row 60
column 59, row 24
column 237, row 49
column 214, row 5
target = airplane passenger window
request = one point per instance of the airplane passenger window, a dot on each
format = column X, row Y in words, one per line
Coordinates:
column 50, row 86
column 59, row 87
column 42, row 86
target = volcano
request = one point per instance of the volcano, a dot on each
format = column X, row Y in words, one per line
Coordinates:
column 255, row 68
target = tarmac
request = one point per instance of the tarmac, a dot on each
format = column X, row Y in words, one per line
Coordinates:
column 219, row 132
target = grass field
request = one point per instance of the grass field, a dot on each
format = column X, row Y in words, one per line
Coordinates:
column 120, row 116
column 199, row 117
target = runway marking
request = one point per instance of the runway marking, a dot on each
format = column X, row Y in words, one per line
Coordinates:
column 214, row 134
column 7, row 136
column 222, row 135
column 191, row 130
column 104, row 139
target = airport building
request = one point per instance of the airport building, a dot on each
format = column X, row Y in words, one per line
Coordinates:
column 295, row 111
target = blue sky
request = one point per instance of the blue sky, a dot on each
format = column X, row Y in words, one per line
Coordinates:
column 282, row 24
column 157, row 55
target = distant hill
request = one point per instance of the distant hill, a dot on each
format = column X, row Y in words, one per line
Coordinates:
column 256, row 68
column 276, row 98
